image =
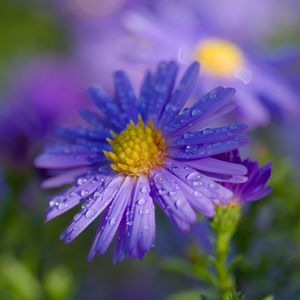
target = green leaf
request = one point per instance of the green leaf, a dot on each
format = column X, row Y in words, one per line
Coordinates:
column 17, row 280
column 186, row 295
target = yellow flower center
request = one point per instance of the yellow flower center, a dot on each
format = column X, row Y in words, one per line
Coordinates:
column 219, row 57
column 137, row 149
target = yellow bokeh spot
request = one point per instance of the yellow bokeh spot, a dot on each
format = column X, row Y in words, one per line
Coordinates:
column 137, row 149
column 219, row 57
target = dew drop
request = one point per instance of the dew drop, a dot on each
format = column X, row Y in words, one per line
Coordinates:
column 81, row 181
column 212, row 94
column 76, row 217
column 52, row 203
column 112, row 221
column 61, row 206
column 212, row 185
column 90, row 213
column 142, row 201
column 193, row 176
column 162, row 191
column 172, row 193
column 178, row 203
column 198, row 194
column 84, row 193
column 143, row 189
column 188, row 135
column 196, row 112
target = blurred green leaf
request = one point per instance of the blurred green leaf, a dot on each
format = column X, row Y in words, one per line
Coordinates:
column 18, row 280
column 58, row 283
column 186, row 295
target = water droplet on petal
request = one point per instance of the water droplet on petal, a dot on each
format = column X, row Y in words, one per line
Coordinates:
column 112, row 221
column 76, row 217
column 143, row 189
column 61, row 206
column 162, row 191
column 142, row 201
column 198, row 194
column 52, row 203
column 193, row 176
column 212, row 185
column 172, row 193
column 84, row 193
column 196, row 112
column 90, row 213
column 81, row 181
column 178, row 203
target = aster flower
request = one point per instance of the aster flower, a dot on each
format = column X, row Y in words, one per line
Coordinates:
column 185, row 31
column 255, row 188
column 143, row 149
column 38, row 96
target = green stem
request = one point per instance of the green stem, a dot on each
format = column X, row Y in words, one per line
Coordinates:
column 224, row 225
column 226, row 282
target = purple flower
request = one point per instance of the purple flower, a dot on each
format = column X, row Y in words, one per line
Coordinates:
column 255, row 188
column 40, row 94
column 140, row 149
column 188, row 31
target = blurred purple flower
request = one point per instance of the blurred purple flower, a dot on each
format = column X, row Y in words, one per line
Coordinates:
column 189, row 30
column 255, row 188
column 41, row 94
column 158, row 150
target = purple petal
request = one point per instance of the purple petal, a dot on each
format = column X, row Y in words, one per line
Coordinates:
column 92, row 207
column 160, row 89
column 205, row 189
column 191, row 152
column 208, row 135
column 125, row 95
column 208, row 108
column 85, row 186
column 181, row 93
column 220, row 170
column 63, row 178
column 170, row 197
column 113, row 216
column 137, row 234
column 143, row 226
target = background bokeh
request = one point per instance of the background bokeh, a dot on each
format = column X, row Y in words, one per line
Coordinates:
column 50, row 51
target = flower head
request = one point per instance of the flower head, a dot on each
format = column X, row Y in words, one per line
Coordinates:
column 255, row 188
column 188, row 31
column 46, row 89
column 143, row 149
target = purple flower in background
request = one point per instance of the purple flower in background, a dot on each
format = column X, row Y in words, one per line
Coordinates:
column 41, row 94
column 140, row 149
column 255, row 188
column 188, row 31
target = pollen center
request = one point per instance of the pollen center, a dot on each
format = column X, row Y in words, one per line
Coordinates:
column 137, row 149
column 219, row 57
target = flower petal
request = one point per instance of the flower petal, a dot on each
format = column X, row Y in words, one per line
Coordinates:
column 160, row 89
column 63, row 202
column 181, row 93
column 170, row 197
column 214, row 104
column 113, row 216
column 93, row 207
column 204, row 189
column 137, row 235
column 125, row 95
